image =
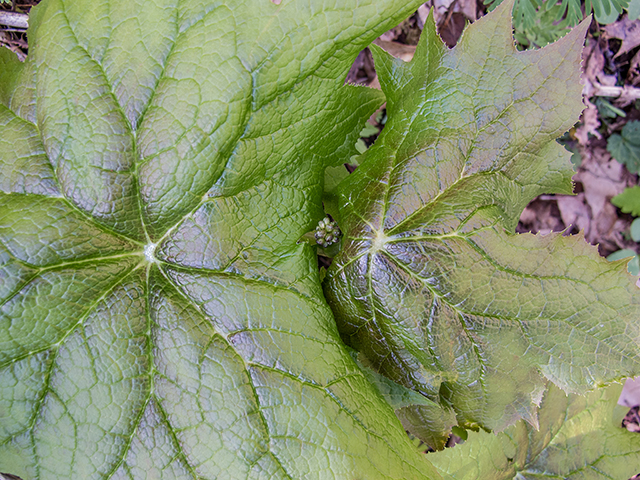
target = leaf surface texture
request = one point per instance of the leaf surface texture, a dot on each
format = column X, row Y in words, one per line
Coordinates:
column 431, row 285
column 159, row 161
column 580, row 437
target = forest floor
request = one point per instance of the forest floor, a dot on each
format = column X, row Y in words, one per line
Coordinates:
column 611, row 80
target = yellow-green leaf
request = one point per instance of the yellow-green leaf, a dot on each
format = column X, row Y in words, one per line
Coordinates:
column 578, row 438
column 159, row 160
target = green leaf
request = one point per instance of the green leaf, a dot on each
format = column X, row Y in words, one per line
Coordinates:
column 634, row 9
column 633, row 264
column 634, row 229
column 369, row 130
column 419, row 415
column 579, row 438
column 625, row 148
column 606, row 18
column 628, row 201
column 332, row 178
column 9, row 66
column 432, row 285
column 624, row 253
column 361, row 147
column 159, row 161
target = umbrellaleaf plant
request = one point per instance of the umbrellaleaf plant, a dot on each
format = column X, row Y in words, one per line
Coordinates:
column 161, row 164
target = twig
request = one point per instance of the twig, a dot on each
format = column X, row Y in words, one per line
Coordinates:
column 13, row 19
column 11, row 45
column 449, row 13
column 612, row 91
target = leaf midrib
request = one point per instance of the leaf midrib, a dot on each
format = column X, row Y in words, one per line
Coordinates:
column 394, row 158
column 232, row 144
column 323, row 388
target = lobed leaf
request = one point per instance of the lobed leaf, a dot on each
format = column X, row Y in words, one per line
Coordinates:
column 628, row 201
column 431, row 284
column 578, row 438
column 158, row 319
column 625, row 147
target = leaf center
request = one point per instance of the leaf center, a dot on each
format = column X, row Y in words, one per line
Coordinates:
column 379, row 241
column 149, row 252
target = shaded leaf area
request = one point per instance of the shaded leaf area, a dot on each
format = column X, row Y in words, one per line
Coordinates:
column 431, row 285
column 419, row 415
column 625, row 147
column 158, row 319
column 578, row 438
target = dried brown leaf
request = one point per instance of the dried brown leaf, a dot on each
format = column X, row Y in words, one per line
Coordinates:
column 626, row 30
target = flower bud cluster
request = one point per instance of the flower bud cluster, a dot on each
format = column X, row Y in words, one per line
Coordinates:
column 327, row 232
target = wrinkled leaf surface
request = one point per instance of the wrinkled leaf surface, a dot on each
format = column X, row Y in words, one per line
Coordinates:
column 159, row 161
column 431, row 284
column 579, row 438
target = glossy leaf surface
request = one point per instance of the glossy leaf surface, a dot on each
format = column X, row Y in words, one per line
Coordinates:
column 431, row 284
column 579, row 438
column 158, row 162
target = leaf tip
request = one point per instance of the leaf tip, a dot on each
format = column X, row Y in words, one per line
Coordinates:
column 498, row 22
column 389, row 69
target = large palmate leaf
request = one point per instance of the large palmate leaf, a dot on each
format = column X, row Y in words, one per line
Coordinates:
column 431, row 283
column 159, row 160
column 578, row 438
